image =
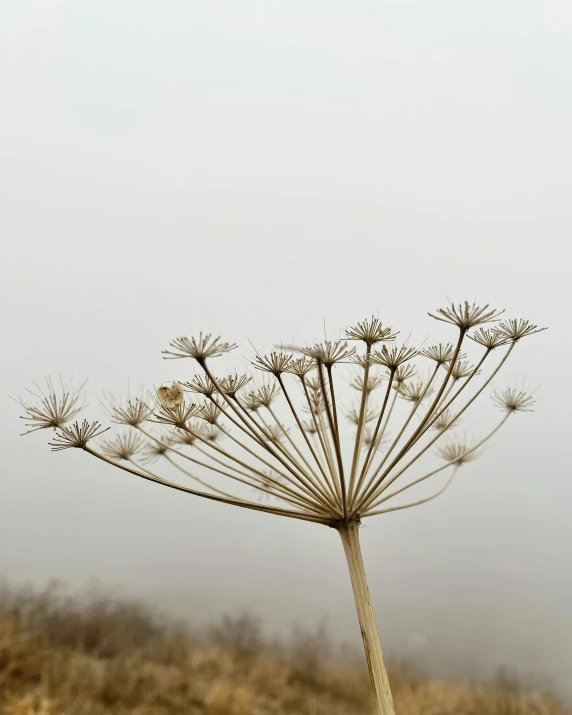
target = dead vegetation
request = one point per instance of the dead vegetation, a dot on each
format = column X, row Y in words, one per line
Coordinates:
column 60, row 655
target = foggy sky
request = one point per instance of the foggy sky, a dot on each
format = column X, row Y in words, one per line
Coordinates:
column 254, row 169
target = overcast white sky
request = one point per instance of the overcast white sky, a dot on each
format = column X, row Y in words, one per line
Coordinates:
column 251, row 169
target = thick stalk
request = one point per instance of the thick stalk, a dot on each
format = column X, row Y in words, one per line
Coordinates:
column 372, row 646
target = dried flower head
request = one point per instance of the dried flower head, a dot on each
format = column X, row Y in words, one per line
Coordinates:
column 309, row 427
column 274, row 433
column 369, row 415
column 444, row 421
column 373, row 382
column 275, row 362
column 403, row 373
column 331, row 352
column 316, row 404
column 489, row 338
column 202, row 384
column 512, row 400
column 232, row 383
column 124, row 446
column 441, row 353
column 371, row 331
column 268, row 481
column 201, row 348
column 132, row 412
column 53, row 409
column 158, row 446
column 301, row 366
column 368, row 439
column 212, row 433
column 465, row 316
column 265, row 393
column 194, row 430
column 392, row 357
column 462, row 368
column 210, row 412
column 515, row 329
column 314, row 384
column 457, row 453
column 361, row 360
column 76, row 435
column 414, row 390
column 171, row 397
column 176, row 416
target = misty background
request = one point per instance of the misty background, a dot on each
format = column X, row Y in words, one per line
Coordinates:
column 254, row 169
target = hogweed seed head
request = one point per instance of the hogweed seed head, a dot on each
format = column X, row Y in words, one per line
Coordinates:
column 51, row 409
column 466, row 316
column 512, row 400
column 177, row 416
column 210, row 412
column 124, row 446
column 457, row 452
column 392, row 357
column 202, row 384
column 403, row 373
column 373, row 382
column 371, row 331
column 132, row 412
column 515, row 329
column 353, row 415
column 489, row 338
column 414, row 390
column 301, row 366
column 201, row 348
column 76, row 435
column 157, row 446
column 194, row 430
column 461, row 368
column 232, row 383
column 275, row 362
column 444, row 421
column 440, row 353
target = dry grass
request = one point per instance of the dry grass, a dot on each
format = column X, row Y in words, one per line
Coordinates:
column 60, row 656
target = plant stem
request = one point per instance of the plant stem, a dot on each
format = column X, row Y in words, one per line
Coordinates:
column 378, row 675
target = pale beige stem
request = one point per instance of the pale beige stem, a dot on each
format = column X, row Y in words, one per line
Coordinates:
column 366, row 499
column 322, row 437
column 198, row 479
column 372, row 646
column 390, row 481
column 213, row 497
column 419, row 501
column 360, row 424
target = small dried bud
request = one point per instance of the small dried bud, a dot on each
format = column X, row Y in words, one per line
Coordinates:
column 171, row 397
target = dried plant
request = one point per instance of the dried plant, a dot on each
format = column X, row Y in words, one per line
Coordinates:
column 250, row 437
